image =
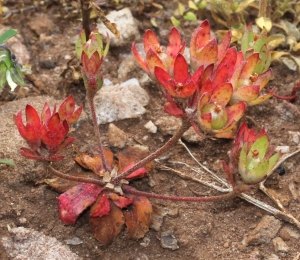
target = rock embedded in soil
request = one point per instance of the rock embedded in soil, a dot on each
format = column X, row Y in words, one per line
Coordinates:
column 265, row 230
column 191, row 136
column 126, row 24
column 168, row 240
column 168, row 125
column 287, row 233
column 280, row 245
column 26, row 243
column 16, row 46
column 120, row 101
column 41, row 24
column 116, row 136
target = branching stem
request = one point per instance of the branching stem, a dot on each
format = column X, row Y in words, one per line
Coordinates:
column 75, row 178
column 232, row 194
column 184, row 127
column 90, row 98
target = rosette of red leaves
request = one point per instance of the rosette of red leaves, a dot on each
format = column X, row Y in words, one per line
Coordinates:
column 110, row 208
column 47, row 135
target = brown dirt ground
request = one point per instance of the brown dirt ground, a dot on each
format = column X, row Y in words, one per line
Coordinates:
column 204, row 231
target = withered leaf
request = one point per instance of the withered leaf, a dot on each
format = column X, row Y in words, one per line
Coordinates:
column 94, row 163
column 62, row 185
column 138, row 217
column 106, row 228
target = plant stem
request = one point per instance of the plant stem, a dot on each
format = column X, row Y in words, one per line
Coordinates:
column 85, row 9
column 234, row 193
column 263, row 5
column 90, row 98
column 184, row 126
column 74, row 178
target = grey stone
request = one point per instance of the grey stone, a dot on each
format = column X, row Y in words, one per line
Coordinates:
column 117, row 102
column 126, row 25
column 280, row 245
column 26, row 243
column 168, row 240
column 266, row 229
column 126, row 66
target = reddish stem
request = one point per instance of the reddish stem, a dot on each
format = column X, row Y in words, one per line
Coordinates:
column 90, row 98
column 184, row 126
column 74, row 178
column 234, row 193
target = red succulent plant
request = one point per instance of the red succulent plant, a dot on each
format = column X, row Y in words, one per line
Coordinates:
column 46, row 136
column 157, row 55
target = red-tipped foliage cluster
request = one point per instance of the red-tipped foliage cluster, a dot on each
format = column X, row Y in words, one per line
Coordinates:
column 111, row 209
column 224, row 81
column 46, row 135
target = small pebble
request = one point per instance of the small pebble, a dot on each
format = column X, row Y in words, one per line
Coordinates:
column 283, row 149
column 74, row 241
column 152, row 128
column 22, row 220
column 168, row 240
column 145, row 242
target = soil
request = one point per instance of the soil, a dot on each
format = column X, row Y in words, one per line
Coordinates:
column 203, row 230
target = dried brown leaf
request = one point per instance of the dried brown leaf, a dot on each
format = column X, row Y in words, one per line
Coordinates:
column 138, row 217
column 106, row 228
column 94, row 163
column 62, row 185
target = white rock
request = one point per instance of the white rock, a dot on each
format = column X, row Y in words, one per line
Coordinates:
column 26, row 243
column 117, row 102
column 283, row 149
column 126, row 25
column 152, row 128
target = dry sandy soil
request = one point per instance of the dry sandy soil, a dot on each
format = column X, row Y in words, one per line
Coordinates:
column 203, row 231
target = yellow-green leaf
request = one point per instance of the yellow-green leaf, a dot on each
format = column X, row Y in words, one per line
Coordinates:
column 192, row 5
column 190, row 16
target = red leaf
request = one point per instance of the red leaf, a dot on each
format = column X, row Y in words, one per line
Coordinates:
column 173, row 110
column 101, row 206
column 140, row 60
column 120, row 201
column 131, row 156
column 139, row 173
column 108, row 227
column 75, row 200
column 150, row 41
column 181, row 69
column 175, row 45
